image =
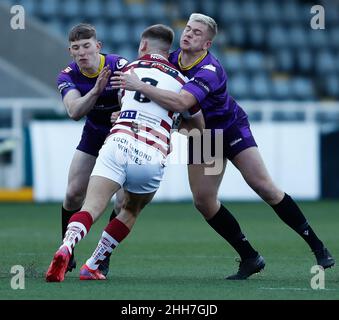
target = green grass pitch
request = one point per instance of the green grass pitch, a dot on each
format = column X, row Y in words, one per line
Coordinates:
column 171, row 253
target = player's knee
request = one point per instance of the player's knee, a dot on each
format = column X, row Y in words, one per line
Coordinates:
column 75, row 195
column 267, row 191
column 204, row 201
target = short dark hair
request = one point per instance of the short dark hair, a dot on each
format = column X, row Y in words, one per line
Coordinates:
column 159, row 32
column 82, row 31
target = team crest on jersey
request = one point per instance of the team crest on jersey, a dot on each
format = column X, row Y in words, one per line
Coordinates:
column 121, row 63
column 209, row 67
column 67, row 70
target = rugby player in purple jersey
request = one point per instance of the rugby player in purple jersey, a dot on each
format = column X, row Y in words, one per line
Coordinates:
column 208, row 88
column 85, row 93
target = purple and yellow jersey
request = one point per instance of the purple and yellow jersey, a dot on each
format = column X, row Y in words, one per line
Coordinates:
column 208, row 84
column 73, row 78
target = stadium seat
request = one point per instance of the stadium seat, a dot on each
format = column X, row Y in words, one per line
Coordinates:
column 209, row 8
column 254, row 61
column 283, row 60
column 31, row 6
column 137, row 30
column 114, row 9
column 290, row 11
column 229, row 11
column 304, row 60
column 157, row 10
column 281, row 88
column 278, row 37
column 333, row 40
column 270, row 11
column 250, row 11
column 302, row 88
column 256, row 35
column 127, row 51
column 237, row 34
column 48, row 9
column 135, row 10
column 260, row 87
column 318, row 38
column 239, row 86
column 119, row 33
column 332, row 85
column 70, row 8
column 92, row 9
column 232, row 61
column 297, row 36
column 325, row 62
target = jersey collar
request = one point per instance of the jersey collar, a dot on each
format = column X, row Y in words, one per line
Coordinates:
column 197, row 61
column 101, row 66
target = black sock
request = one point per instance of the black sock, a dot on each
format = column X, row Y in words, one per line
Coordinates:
column 228, row 227
column 289, row 212
column 113, row 215
column 65, row 216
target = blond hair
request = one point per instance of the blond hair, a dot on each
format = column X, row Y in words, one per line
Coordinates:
column 206, row 20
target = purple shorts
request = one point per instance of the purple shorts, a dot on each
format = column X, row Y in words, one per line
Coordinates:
column 227, row 142
column 92, row 138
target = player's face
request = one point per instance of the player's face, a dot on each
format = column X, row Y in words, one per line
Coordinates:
column 195, row 37
column 85, row 52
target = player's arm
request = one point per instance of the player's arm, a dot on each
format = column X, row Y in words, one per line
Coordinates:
column 177, row 102
column 78, row 106
column 195, row 122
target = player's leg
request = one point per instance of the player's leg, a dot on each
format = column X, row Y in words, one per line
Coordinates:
column 115, row 232
column 100, row 191
column 252, row 167
column 119, row 198
column 205, row 191
column 78, row 177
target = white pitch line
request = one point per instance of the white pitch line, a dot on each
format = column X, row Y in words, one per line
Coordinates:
column 297, row 289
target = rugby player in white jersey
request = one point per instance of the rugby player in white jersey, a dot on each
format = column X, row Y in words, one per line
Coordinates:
column 132, row 157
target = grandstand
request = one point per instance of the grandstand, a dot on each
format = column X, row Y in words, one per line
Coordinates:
column 278, row 66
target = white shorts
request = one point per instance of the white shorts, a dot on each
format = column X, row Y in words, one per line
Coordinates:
column 137, row 167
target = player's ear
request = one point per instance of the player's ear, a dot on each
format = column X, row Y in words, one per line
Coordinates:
column 207, row 44
column 99, row 45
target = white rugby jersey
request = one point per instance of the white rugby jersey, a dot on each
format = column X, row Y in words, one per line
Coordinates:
column 142, row 118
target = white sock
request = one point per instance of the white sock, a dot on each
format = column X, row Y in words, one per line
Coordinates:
column 74, row 233
column 104, row 248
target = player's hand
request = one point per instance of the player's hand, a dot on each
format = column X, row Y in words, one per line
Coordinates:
column 114, row 117
column 102, row 80
column 127, row 81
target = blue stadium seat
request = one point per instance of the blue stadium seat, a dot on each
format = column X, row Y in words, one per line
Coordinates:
column 48, row 9
column 318, row 38
column 237, row 34
column 114, row 9
column 283, row 60
column 29, row 5
column 103, row 33
column 210, row 8
column 119, row 33
column 298, row 36
column 239, row 86
column 260, row 86
column 129, row 52
column 254, row 61
column 157, row 10
column 325, row 62
column 250, row 11
column 332, row 85
column 70, row 8
column 270, row 11
column 304, row 60
column 333, row 40
column 302, row 88
column 57, row 27
column 290, row 11
column 257, row 35
column 137, row 30
column 281, row 88
column 92, row 9
column 136, row 10
column 278, row 37
column 229, row 11
column 232, row 61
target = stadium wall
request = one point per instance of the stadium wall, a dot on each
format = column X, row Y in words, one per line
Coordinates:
column 290, row 150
